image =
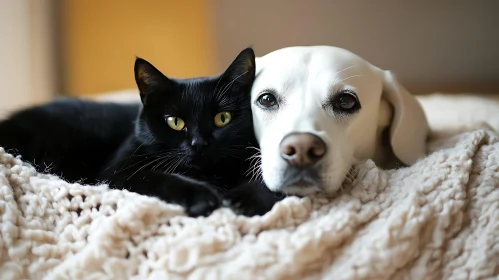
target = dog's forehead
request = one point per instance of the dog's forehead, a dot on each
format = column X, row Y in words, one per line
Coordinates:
column 313, row 57
column 315, row 63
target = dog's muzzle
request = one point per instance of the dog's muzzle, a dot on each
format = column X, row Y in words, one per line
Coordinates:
column 302, row 153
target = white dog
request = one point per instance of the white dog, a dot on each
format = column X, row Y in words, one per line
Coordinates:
column 318, row 110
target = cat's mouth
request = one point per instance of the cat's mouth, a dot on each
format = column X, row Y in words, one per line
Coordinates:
column 200, row 161
column 207, row 159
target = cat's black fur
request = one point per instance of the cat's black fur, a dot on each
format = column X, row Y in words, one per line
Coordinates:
column 133, row 147
column 69, row 137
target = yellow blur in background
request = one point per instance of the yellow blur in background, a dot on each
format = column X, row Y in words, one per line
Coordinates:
column 102, row 38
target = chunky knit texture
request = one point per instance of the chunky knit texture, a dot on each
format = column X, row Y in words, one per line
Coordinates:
column 438, row 219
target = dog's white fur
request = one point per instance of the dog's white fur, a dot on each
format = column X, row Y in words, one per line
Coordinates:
column 304, row 78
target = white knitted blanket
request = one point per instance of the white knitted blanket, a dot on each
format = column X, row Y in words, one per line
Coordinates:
column 438, row 219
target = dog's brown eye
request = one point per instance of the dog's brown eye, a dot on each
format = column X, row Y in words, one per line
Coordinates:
column 345, row 102
column 267, row 100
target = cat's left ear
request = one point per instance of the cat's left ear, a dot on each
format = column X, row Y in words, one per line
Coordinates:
column 241, row 72
column 149, row 79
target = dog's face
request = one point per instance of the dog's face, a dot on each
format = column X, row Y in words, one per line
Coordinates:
column 318, row 110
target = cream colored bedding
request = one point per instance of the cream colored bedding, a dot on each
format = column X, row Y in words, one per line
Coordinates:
column 438, row 219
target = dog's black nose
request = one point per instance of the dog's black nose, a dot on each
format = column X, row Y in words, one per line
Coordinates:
column 302, row 149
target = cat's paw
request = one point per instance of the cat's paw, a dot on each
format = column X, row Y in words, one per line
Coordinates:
column 243, row 205
column 202, row 201
column 250, row 200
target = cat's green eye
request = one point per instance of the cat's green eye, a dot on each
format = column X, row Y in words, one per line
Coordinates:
column 222, row 119
column 175, row 123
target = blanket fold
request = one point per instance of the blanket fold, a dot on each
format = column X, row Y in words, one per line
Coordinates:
column 438, row 219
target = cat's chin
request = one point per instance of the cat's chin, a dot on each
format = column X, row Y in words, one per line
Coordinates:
column 201, row 165
column 204, row 161
column 195, row 167
column 196, row 163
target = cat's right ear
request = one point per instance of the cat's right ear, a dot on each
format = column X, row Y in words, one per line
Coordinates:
column 241, row 72
column 149, row 79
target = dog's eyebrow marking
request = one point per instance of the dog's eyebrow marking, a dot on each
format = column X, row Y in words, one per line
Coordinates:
column 317, row 73
column 358, row 75
column 352, row 76
column 344, row 69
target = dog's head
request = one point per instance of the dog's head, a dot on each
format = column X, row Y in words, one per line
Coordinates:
column 318, row 110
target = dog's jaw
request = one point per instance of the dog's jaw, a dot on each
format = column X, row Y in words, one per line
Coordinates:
column 329, row 180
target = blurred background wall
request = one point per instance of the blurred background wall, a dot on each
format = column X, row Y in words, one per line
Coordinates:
column 100, row 39
column 445, row 45
column 74, row 47
column 28, row 46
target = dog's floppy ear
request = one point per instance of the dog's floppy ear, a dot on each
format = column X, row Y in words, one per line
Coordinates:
column 409, row 126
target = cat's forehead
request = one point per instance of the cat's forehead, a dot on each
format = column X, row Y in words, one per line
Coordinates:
column 196, row 87
column 203, row 95
column 190, row 96
column 197, row 94
column 209, row 90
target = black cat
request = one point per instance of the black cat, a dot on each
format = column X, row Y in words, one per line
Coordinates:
column 69, row 137
column 189, row 143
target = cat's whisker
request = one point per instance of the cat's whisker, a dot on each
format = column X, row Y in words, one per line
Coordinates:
column 180, row 162
column 259, row 176
column 148, row 155
column 253, row 173
column 255, row 167
column 168, row 156
column 253, row 148
column 260, row 172
column 255, row 156
column 240, row 147
column 174, row 164
column 134, row 153
column 144, row 166
column 218, row 82
column 161, row 163
column 130, row 166
column 152, row 156
column 169, row 165
column 167, row 162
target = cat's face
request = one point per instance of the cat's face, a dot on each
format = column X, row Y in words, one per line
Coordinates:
column 201, row 121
